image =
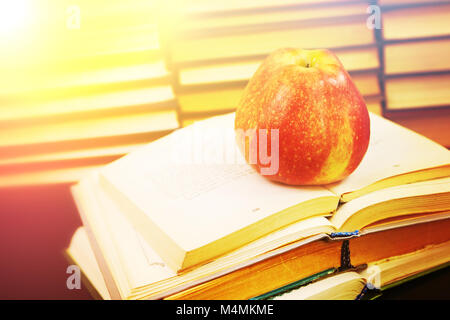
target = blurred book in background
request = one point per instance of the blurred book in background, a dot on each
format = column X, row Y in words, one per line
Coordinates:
column 89, row 94
column 416, row 47
column 214, row 51
column 85, row 84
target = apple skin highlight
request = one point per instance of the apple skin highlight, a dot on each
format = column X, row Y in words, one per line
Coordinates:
column 321, row 117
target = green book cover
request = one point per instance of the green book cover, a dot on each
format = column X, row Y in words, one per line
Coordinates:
column 295, row 285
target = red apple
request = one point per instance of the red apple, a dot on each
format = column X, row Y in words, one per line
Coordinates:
column 310, row 101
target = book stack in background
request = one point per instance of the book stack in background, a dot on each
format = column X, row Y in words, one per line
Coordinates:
column 89, row 93
column 185, row 217
column 415, row 39
column 125, row 73
column 216, row 47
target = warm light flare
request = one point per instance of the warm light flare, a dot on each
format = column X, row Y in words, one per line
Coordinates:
column 14, row 15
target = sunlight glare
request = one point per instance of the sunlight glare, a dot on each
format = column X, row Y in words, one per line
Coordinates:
column 13, row 15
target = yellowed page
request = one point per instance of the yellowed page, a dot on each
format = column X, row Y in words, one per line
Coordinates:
column 101, row 103
column 356, row 59
column 81, row 252
column 133, row 259
column 261, row 17
column 141, row 265
column 195, row 198
column 71, row 132
column 246, row 44
column 393, row 151
column 418, row 22
column 345, row 285
column 386, row 271
column 418, row 92
column 110, row 265
column 413, row 190
column 424, row 56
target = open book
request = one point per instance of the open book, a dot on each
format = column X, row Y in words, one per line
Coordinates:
column 193, row 198
column 127, row 261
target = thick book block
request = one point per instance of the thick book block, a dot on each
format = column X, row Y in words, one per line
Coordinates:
column 184, row 191
column 46, row 109
column 378, row 275
column 416, row 57
column 416, row 22
column 261, row 43
column 225, row 97
column 418, row 92
column 86, row 133
column 307, row 260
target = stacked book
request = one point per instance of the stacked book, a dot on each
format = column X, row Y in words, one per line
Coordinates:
column 100, row 85
column 216, row 47
column 98, row 91
column 185, row 217
column 415, row 40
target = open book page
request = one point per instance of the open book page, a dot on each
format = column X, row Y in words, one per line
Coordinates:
column 142, row 266
column 390, row 270
column 362, row 211
column 109, row 264
column 342, row 286
column 196, row 187
column 120, row 247
column 393, row 150
column 393, row 223
column 82, row 254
